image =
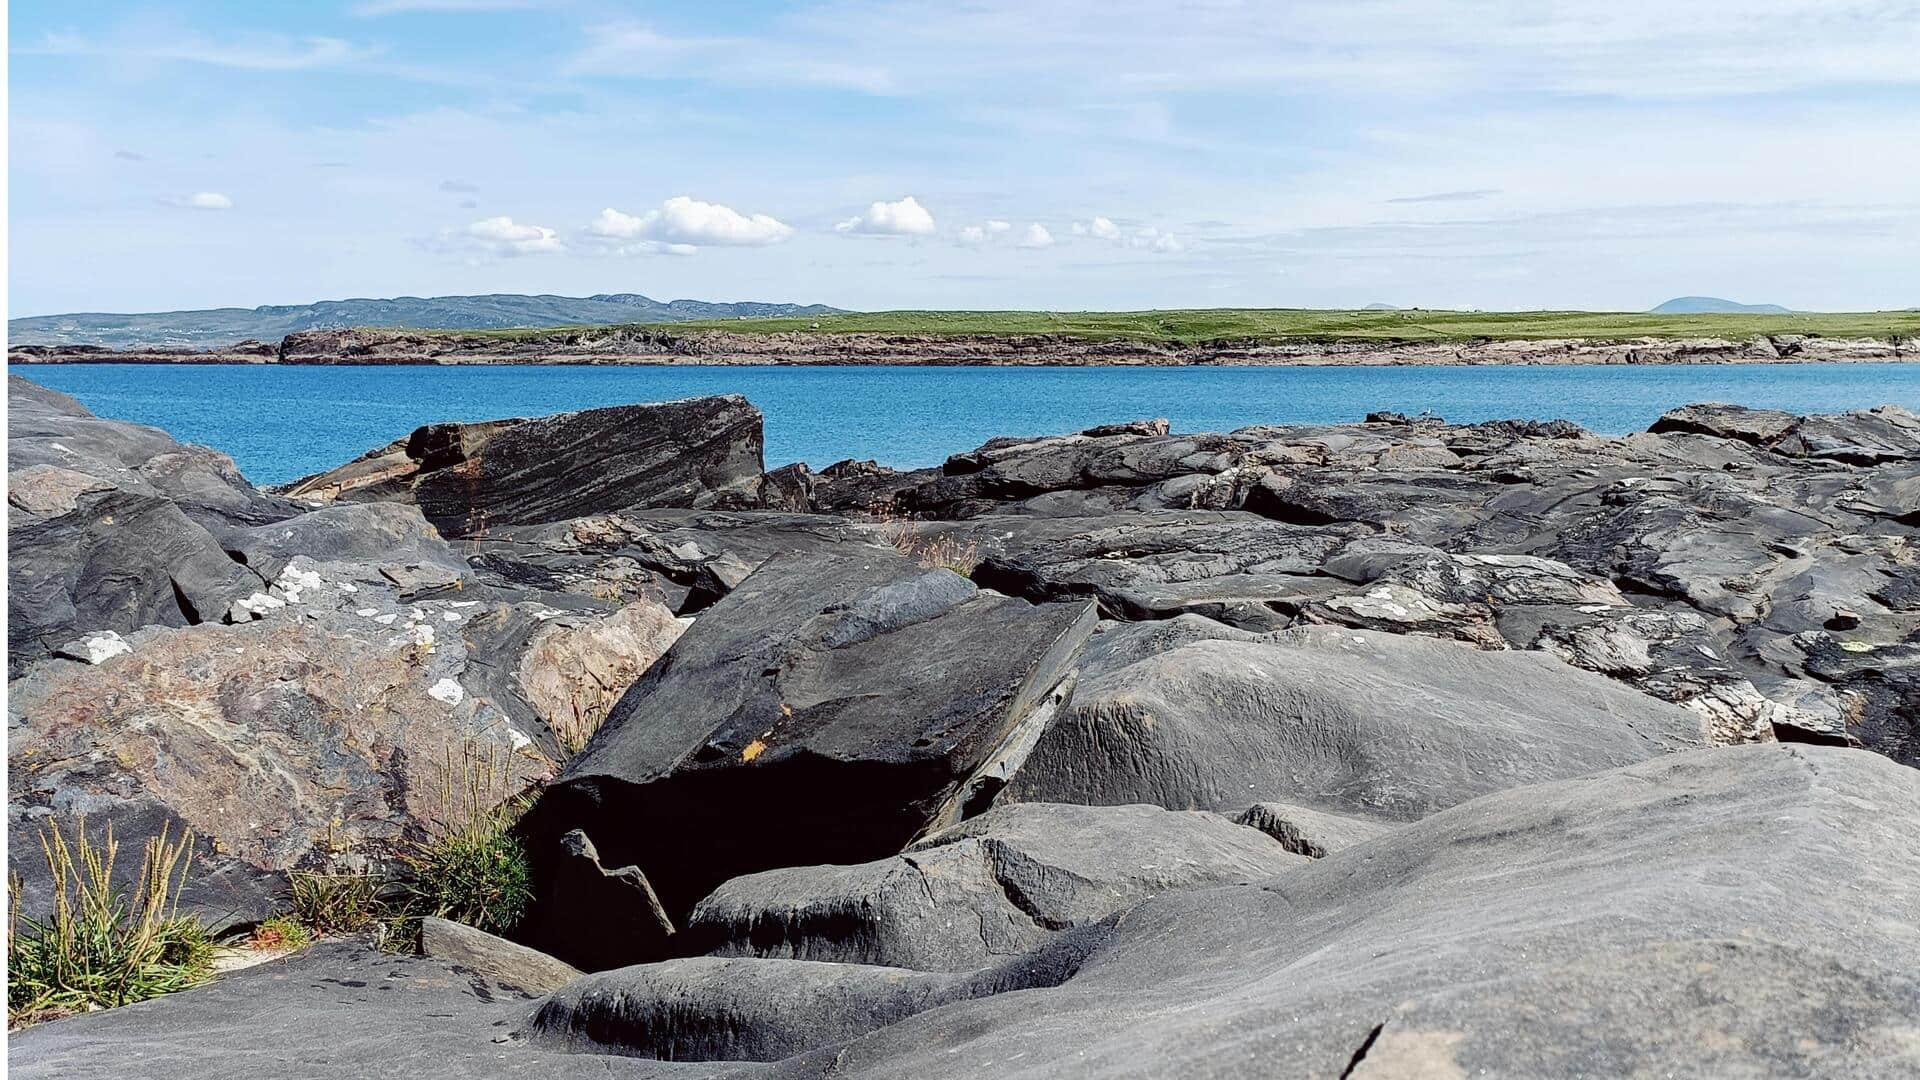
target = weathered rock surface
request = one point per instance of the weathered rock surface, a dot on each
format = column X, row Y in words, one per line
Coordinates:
column 1309, row 832
column 1191, row 714
column 509, row 963
column 991, row 887
column 828, row 709
column 469, row 479
column 684, row 558
column 712, row 1008
column 339, row 1009
column 1733, row 911
column 321, row 731
column 1722, row 561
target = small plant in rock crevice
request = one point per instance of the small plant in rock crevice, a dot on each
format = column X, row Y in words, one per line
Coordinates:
column 907, row 537
column 281, row 933
column 335, row 903
column 471, row 867
column 107, row 943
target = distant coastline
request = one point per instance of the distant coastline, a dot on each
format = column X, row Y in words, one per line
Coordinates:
column 655, row 344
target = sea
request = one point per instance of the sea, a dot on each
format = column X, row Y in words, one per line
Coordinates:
column 281, row 423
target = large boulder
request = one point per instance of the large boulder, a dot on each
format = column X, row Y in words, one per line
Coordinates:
column 828, row 709
column 989, row 888
column 472, row 478
column 319, row 730
column 114, row 526
column 1192, row 715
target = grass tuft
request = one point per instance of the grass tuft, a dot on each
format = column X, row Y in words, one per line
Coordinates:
column 106, row 943
column 334, row 903
column 472, row 868
column 929, row 551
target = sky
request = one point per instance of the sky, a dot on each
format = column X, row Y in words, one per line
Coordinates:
column 871, row 154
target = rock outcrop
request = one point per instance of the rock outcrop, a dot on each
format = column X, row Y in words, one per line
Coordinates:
column 1355, row 722
column 828, row 709
column 987, row 889
column 469, row 479
column 1747, row 565
column 1731, row 911
column 1373, row 750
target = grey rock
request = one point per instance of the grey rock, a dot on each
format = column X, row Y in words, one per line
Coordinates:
column 469, row 479
column 849, row 696
column 1309, row 832
column 508, row 963
column 714, row 1008
column 1733, row 911
column 991, row 887
column 339, row 1009
column 1343, row 721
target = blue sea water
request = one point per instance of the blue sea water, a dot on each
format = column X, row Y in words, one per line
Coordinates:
column 280, row 423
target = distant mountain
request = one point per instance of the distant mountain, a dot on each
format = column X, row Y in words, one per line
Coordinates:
column 1713, row 305
column 225, row 326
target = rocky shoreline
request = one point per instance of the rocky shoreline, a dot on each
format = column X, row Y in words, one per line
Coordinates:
column 1367, row 750
column 665, row 345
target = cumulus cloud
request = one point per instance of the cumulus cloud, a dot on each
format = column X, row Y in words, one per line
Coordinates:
column 1036, row 236
column 204, row 200
column 981, row 234
column 1099, row 228
column 683, row 224
column 903, row 218
column 505, row 236
column 1145, row 238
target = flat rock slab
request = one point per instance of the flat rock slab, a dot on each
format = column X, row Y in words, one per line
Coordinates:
column 992, row 887
column 1309, row 832
column 507, row 962
column 1194, row 715
column 340, row 1009
column 470, row 478
column 829, row 709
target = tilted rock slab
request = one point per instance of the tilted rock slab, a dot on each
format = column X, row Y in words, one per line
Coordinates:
column 828, row 709
column 470, row 478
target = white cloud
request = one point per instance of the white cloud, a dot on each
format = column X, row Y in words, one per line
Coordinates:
column 250, row 52
column 1145, row 238
column 203, row 200
column 687, row 222
column 903, row 218
column 376, row 8
column 993, row 231
column 504, row 236
column 633, row 49
column 1036, row 236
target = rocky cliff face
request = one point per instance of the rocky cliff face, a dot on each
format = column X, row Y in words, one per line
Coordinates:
column 1124, row 752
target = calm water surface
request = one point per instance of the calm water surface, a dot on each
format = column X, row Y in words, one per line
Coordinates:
column 284, row 422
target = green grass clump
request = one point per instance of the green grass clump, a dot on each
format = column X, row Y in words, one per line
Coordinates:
column 106, row 943
column 338, row 903
column 472, row 868
column 281, row 933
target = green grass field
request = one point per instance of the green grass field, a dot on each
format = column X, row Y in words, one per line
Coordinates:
column 1282, row 324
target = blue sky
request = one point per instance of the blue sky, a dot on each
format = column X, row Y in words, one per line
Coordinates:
column 994, row 153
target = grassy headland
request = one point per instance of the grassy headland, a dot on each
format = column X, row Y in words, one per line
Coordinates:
column 1199, row 326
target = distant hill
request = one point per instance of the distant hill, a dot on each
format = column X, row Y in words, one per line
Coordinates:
column 1713, row 305
column 225, row 326
column 1382, row 307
